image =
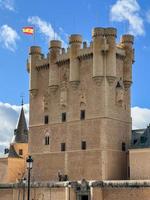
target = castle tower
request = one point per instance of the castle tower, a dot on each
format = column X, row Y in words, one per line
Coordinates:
column 80, row 121
column 20, row 140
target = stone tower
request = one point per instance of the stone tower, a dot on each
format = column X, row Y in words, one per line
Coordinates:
column 12, row 164
column 80, row 121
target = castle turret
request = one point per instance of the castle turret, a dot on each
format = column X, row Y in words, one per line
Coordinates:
column 127, row 44
column 55, row 48
column 98, row 40
column 110, row 34
column 34, row 56
column 75, row 42
column 21, row 132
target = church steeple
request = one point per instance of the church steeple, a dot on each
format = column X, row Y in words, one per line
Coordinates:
column 21, row 132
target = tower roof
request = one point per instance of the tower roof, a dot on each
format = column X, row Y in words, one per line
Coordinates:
column 21, row 132
column 12, row 152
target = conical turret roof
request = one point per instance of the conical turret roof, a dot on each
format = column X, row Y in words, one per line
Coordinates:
column 21, row 132
column 12, row 152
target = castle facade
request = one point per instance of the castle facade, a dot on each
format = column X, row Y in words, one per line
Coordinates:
column 80, row 123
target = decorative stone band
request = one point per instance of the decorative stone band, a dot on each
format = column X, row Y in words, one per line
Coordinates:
column 55, row 44
column 110, row 32
column 44, row 66
column 127, row 39
column 98, row 32
column 104, row 31
column 34, row 50
column 63, row 62
column 74, row 184
column 75, row 38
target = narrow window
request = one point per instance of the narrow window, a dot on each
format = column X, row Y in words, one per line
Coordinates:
column 46, row 119
column 20, row 152
column 134, row 141
column 63, row 117
column 47, row 140
column 82, row 114
column 83, row 145
column 63, row 147
column 84, row 197
column 123, row 146
column 128, row 172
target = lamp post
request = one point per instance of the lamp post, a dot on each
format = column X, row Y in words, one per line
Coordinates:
column 29, row 161
column 24, row 187
column 69, row 187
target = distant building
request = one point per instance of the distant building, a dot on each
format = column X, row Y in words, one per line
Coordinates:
column 12, row 164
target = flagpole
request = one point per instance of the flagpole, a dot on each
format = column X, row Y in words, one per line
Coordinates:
column 34, row 36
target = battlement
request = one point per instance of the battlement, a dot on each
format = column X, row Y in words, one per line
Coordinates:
column 103, row 46
column 55, row 44
column 127, row 39
column 35, row 50
column 82, row 94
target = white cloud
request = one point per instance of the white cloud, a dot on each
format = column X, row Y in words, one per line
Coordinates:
column 140, row 117
column 7, row 4
column 148, row 16
column 8, row 120
column 45, row 28
column 128, row 10
column 8, row 37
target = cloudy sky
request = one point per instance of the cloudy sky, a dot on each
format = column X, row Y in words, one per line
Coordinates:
column 59, row 19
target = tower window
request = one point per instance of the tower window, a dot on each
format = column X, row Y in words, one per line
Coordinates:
column 46, row 119
column 47, row 140
column 20, row 152
column 128, row 172
column 63, row 147
column 134, row 141
column 83, row 145
column 82, row 114
column 63, row 117
column 123, row 146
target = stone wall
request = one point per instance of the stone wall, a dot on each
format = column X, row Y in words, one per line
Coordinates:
column 3, row 170
column 110, row 190
column 139, row 164
column 93, row 78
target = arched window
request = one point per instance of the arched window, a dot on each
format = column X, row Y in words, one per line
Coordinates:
column 47, row 137
column 46, row 140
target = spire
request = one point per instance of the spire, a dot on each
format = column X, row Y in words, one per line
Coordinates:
column 21, row 132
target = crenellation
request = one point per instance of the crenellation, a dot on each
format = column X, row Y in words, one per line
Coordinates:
column 55, row 49
column 127, row 44
column 84, row 45
column 77, row 91
column 75, row 42
column 34, row 57
column 63, row 51
column 110, row 34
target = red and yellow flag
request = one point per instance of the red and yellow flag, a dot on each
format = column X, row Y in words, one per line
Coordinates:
column 28, row 30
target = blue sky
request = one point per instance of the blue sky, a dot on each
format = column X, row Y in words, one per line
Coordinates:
column 78, row 16
column 64, row 18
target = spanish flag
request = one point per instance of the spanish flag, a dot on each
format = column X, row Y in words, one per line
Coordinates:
column 28, row 30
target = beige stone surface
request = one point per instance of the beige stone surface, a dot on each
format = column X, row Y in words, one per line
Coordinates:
column 139, row 164
column 16, row 169
column 3, row 169
column 97, row 193
column 13, row 169
column 84, row 77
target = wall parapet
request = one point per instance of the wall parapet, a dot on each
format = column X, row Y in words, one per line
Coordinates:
column 73, row 184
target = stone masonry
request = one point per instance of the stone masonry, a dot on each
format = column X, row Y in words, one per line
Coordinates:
column 80, row 123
